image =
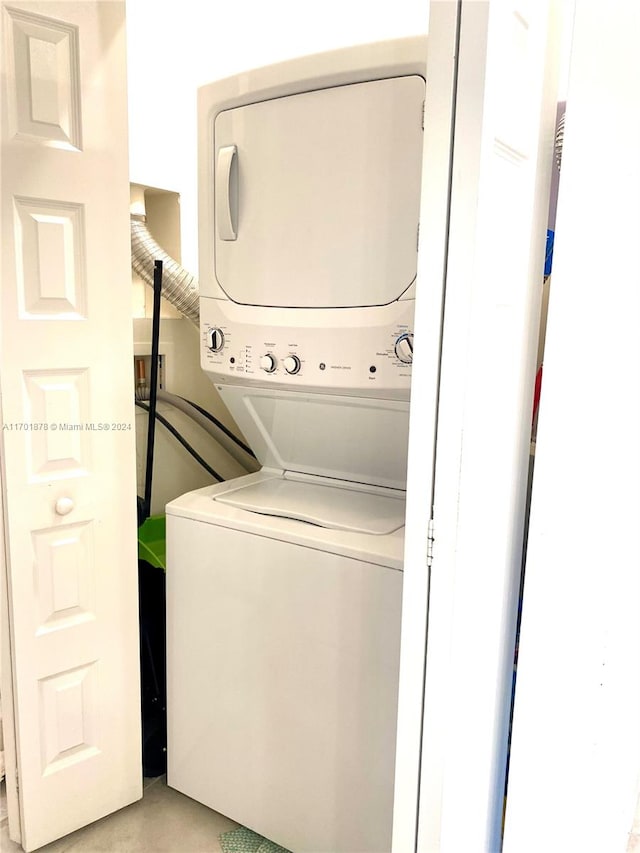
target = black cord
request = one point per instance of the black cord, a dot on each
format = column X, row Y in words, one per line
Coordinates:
column 220, row 426
column 165, row 423
column 153, row 395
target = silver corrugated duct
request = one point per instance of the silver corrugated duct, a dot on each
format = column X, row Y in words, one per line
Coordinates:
column 179, row 287
column 559, row 141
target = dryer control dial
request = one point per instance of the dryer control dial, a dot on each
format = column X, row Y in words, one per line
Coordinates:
column 404, row 348
column 268, row 362
column 215, row 339
column 291, row 364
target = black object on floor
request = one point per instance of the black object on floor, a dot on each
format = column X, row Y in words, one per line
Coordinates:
column 151, row 592
column 152, row 598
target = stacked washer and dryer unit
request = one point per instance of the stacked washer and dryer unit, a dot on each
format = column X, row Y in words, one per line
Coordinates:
column 284, row 586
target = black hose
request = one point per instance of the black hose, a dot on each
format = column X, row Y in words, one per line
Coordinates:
column 174, row 432
column 220, row 426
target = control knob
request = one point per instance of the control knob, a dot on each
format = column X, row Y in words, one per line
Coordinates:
column 215, row 339
column 404, row 348
column 291, row 364
column 268, row 362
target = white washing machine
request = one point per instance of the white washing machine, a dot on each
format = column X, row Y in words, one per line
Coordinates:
column 283, row 646
column 284, row 587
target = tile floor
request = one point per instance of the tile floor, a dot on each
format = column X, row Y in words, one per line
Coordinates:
column 163, row 821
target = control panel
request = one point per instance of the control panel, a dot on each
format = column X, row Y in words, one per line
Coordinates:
column 360, row 351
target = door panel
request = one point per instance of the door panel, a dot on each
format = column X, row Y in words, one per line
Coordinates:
column 43, row 77
column 68, row 449
column 64, row 576
column 501, row 160
column 50, row 253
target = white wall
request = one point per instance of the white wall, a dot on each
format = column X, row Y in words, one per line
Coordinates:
column 175, row 47
column 576, row 736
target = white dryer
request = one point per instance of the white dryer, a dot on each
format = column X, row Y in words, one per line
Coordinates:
column 284, row 587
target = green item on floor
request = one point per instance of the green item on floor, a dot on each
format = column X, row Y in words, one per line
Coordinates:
column 152, row 541
column 243, row 840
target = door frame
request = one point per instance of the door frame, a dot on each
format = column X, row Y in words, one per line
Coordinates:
column 6, row 681
column 442, row 61
column 7, row 722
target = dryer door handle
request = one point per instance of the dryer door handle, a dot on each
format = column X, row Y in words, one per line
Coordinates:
column 223, row 190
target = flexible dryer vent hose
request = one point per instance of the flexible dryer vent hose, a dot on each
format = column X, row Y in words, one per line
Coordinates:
column 179, row 287
column 559, row 143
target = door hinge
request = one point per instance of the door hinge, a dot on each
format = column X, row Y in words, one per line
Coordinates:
column 17, row 780
column 423, row 107
column 430, row 541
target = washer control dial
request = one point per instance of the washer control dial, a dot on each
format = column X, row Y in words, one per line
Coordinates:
column 268, row 362
column 404, row 348
column 215, row 339
column 291, row 364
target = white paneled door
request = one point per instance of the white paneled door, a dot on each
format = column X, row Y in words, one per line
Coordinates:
column 68, row 449
column 494, row 89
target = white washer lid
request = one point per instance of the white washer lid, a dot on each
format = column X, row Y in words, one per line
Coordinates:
column 327, row 506
column 353, row 439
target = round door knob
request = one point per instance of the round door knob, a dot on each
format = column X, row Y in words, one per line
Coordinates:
column 291, row 364
column 215, row 339
column 64, row 506
column 404, row 348
column 268, row 363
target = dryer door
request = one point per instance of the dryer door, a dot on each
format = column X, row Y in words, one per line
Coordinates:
column 317, row 196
